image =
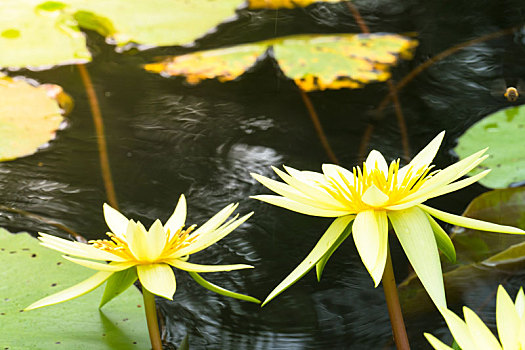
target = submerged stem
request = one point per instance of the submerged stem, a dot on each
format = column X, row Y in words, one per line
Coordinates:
column 151, row 318
column 394, row 308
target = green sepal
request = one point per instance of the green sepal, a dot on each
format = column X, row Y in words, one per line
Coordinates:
column 184, row 344
column 118, row 283
column 219, row 290
column 319, row 267
column 443, row 240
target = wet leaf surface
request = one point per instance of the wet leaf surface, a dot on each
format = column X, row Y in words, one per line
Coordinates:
column 39, row 34
column 498, row 131
column 277, row 4
column 314, row 62
column 35, row 272
column 29, row 117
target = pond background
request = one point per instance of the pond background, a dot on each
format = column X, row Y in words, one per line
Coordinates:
column 166, row 137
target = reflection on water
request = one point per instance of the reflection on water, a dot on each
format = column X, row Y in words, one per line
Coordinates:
column 166, row 138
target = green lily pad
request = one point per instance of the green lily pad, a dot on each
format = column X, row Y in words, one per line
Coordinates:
column 503, row 133
column 32, row 272
column 314, row 62
column 29, row 117
column 39, row 34
column 277, row 4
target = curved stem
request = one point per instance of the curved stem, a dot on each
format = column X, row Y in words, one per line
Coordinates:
column 101, row 140
column 76, row 235
column 416, row 71
column 394, row 308
column 151, row 318
column 393, row 93
column 318, row 127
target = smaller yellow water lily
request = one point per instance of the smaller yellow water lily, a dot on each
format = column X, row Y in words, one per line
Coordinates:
column 134, row 252
column 365, row 200
column 473, row 334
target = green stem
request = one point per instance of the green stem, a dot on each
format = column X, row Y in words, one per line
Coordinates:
column 151, row 318
column 394, row 308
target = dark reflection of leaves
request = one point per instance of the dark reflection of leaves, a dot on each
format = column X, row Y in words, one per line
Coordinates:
column 483, row 257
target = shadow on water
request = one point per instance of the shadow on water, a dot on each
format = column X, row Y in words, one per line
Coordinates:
column 166, row 138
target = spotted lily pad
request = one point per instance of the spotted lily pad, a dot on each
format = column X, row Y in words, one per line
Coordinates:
column 38, row 34
column 277, row 4
column 314, row 62
column 31, row 272
column 29, row 117
column 503, row 133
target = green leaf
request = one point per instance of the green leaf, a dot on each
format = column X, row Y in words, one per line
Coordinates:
column 290, row 4
column 319, row 267
column 314, row 62
column 329, row 238
column 185, row 344
column 219, row 290
column 118, row 283
column 502, row 133
column 40, row 34
column 29, row 118
column 443, row 241
column 34, row 272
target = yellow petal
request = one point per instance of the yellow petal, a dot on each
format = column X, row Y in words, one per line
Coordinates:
column 340, row 177
column 458, row 184
column 459, row 330
column 186, row 266
column 308, row 189
column 101, row 267
column 508, row 321
column 216, row 220
column 178, row 218
column 470, row 223
column 436, row 344
column 73, row 292
column 116, row 222
column 520, row 304
column 425, row 156
column 481, row 335
column 417, row 239
column 375, row 160
column 138, row 241
column 157, row 239
column 370, row 231
column 157, row 279
column 76, row 248
column 208, row 238
column 374, row 197
column 323, row 245
column 300, row 207
column 287, row 191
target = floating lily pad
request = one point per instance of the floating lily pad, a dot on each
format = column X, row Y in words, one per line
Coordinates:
column 314, row 62
column 29, row 118
column 503, row 133
column 31, row 272
column 277, row 4
column 39, row 34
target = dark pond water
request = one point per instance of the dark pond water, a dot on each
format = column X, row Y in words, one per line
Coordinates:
column 166, row 137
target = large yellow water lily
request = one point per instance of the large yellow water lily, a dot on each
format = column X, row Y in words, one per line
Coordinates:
column 368, row 199
column 472, row 334
column 134, row 252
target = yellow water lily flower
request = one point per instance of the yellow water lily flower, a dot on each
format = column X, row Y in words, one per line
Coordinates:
column 146, row 254
column 368, row 199
column 473, row 334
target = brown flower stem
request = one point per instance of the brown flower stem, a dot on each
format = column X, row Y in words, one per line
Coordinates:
column 101, row 139
column 45, row 220
column 151, row 318
column 416, row 71
column 394, row 308
column 318, row 127
column 393, row 94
